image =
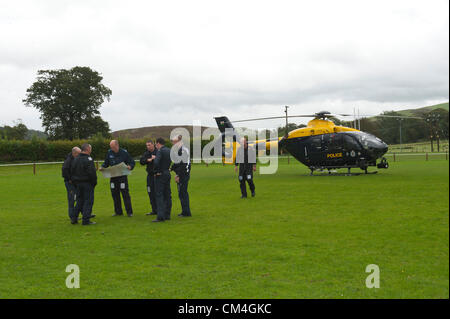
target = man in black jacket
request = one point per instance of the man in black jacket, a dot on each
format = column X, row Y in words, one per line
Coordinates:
column 84, row 176
column 162, row 181
column 147, row 159
column 66, row 174
column 246, row 160
column 119, row 184
column 182, row 169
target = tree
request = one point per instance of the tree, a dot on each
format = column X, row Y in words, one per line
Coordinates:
column 438, row 119
column 101, row 127
column 16, row 132
column 69, row 102
column 291, row 126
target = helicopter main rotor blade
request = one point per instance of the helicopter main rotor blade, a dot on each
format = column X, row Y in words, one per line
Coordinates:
column 382, row 115
column 326, row 116
column 272, row 118
column 400, row 116
column 260, row 119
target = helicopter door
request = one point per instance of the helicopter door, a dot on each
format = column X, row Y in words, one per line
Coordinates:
column 316, row 150
column 335, row 151
column 352, row 149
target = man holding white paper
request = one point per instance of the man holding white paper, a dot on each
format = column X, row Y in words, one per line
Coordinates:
column 119, row 184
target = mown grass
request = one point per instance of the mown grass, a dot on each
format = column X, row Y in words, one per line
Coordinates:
column 300, row 237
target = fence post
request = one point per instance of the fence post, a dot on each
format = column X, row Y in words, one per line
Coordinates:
column 427, row 156
column 34, row 168
column 394, row 156
column 96, row 165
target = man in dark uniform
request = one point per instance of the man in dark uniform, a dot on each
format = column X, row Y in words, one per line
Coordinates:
column 67, row 175
column 246, row 160
column 147, row 159
column 84, row 176
column 162, row 181
column 119, row 184
column 182, row 169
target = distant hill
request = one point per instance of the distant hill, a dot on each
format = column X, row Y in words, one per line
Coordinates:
column 151, row 132
column 416, row 112
column 422, row 110
column 38, row 134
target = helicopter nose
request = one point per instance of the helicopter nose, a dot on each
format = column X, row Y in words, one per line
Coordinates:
column 381, row 149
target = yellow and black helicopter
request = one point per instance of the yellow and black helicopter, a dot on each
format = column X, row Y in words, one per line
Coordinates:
column 321, row 145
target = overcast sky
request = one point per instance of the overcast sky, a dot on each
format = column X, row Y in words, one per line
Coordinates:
column 173, row 62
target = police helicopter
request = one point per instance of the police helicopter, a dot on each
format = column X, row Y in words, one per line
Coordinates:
column 321, row 145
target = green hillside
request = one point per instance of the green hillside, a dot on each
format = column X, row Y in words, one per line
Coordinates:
column 152, row 132
column 422, row 110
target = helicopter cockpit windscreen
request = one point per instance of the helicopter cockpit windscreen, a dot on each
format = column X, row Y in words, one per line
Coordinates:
column 368, row 141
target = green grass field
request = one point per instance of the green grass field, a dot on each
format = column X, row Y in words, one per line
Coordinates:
column 300, row 237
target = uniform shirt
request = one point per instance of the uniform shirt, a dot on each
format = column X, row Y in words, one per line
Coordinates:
column 242, row 155
column 183, row 168
column 145, row 157
column 162, row 160
column 117, row 158
column 66, row 168
column 83, row 170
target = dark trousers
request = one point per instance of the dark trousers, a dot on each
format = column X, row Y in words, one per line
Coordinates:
column 119, row 185
column 85, row 201
column 246, row 177
column 71, row 197
column 163, row 195
column 183, row 195
column 151, row 191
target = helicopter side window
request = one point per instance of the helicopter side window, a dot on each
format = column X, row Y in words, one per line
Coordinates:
column 325, row 142
column 350, row 144
column 335, row 143
column 316, row 143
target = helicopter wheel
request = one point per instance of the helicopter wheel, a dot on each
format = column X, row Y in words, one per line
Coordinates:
column 362, row 165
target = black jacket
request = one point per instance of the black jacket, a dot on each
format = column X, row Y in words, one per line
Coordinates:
column 66, row 174
column 117, row 158
column 83, row 170
column 145, row 157
column 183, row 168
column 243, row 160
column 162, row 160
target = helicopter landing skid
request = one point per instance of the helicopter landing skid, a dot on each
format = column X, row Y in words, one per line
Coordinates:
column 333, row 172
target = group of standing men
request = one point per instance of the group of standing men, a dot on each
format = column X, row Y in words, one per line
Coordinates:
column 158, row 165
column 80, row 179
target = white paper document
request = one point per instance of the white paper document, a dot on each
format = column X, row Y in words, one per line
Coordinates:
column 116, row 170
